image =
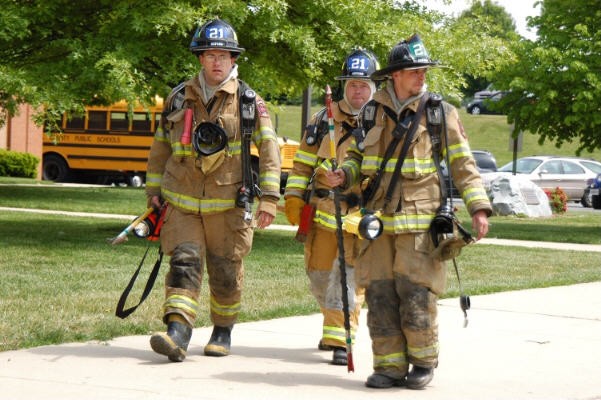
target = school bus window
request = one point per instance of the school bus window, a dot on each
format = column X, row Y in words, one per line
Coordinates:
column 141, row 122
column 97, row 120
column 157, row 120
column 75, row 124
column 119, row 121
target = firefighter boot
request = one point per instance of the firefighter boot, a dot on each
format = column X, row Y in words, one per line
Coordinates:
column 324, row 347
column 381, row 381
column 219, row 343
column 174, row 343
column 419, row 377
column 339, row 356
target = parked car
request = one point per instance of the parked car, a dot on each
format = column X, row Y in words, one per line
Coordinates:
column 485, row 161
column 570, row 174
column 591, row 196
column 484, row 105
column 489, row 91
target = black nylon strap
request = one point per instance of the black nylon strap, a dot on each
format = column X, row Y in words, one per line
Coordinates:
column 408, row 138
column 120, row 312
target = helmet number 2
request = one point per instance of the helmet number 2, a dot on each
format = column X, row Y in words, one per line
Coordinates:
column 215, row 33
column 419, row 50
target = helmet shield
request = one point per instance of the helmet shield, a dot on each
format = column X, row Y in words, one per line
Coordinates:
column 215, row 35
column 360, row 64
column 408, row 54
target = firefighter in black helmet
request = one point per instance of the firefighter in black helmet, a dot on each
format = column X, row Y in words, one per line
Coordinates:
column 195, row 166
column 400, row 270
column 306, row 186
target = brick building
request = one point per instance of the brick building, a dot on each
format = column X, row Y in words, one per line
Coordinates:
column 21, row 134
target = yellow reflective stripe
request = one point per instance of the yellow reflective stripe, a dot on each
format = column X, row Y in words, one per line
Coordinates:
column 234, row 147
column 269, row 180
column 423, row 352
column 224, row 310
column 419, row 165
column 197, row 205
column 160, row 136
column 153, row 180
column 337, row 333
column 406, row 222
column 390, row 360
column 371, row 163
column 325, row 219
column 354, row 168
column 326, row 165
column 265, row 133
column 305, row 157
column 459, row 150
column 182, row 302
column 472, row 195
column 297, row 182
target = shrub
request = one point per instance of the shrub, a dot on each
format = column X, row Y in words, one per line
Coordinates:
column 557, row 200
column 21, row 165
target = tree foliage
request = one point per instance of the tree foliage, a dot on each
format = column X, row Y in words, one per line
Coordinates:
column 555, row 81
column 60, row 55
column 497, row 22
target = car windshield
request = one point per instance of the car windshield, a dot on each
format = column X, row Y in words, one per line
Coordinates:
column 524, row 166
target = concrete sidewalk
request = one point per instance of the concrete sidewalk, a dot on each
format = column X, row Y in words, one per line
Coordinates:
column 531, row 344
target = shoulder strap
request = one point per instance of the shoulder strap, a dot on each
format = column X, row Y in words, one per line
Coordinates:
column 408, row 138
column 436, row 122
column 124, row 313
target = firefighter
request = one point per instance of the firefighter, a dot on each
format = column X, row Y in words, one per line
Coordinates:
column 402, row 275
column 195, row 165
column 306, row 183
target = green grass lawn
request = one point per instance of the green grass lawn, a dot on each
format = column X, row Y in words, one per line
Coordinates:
column 61, row 279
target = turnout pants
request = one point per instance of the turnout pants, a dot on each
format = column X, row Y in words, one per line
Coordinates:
column 222, row 240
column 323, row 270
column 402, row 285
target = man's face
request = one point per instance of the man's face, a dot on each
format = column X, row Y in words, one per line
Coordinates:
column 217, row 65
column 358, row 93
column 409, row 82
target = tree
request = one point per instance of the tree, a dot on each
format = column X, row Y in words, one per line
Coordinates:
column 555, row 81
column 61, row 55
column 498, row 23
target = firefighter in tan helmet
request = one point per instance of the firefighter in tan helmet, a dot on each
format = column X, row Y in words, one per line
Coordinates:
column 196, row 168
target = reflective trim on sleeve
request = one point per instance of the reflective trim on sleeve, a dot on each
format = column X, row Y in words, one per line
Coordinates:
column 305, row 157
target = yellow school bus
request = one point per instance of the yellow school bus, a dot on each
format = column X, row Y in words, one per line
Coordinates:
column 108, row 144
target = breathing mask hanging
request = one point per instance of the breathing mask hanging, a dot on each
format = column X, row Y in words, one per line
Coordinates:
column 209, row 138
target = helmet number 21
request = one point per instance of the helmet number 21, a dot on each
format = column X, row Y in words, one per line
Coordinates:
column 215, row 33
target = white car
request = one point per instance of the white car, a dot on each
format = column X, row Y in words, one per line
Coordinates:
column 570, row 174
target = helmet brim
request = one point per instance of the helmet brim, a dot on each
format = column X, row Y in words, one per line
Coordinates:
column 383, row 73
column 235, row 50
column 351, row 77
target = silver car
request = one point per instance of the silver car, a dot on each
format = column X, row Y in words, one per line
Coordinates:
column 570, row 174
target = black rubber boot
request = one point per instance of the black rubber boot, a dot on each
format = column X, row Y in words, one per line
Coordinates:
column 174, row 343
column 379, row 381
column 419, row 377
column 339, row 356
column 324, row 347
column 220, row 341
